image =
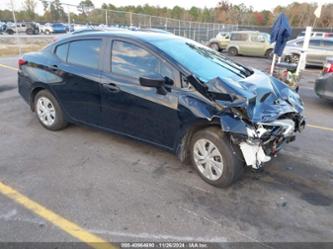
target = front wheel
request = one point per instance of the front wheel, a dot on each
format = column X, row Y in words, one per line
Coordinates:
column 214, row 46
column 214, row 158
column 269, row 54
column 48, row 111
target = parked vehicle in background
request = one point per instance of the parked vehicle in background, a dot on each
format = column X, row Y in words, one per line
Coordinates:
column 316, row 34
column 59, row 28
column 220, row 42
column 319, row 50
column 252, row 43
column 324, row 84
column 161, row 31
column 30, row 28
column 3, row 27
column 46, row 28
column 69, row 27
column 166, row 90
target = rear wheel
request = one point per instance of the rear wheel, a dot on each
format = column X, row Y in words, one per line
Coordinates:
column 233, row 51
column 48, row 111
column 269, row 54
column 214, row 157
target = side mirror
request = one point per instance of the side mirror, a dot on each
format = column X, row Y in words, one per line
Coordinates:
column 154, row 80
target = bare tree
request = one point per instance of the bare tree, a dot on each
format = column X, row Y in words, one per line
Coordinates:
column 29, row 7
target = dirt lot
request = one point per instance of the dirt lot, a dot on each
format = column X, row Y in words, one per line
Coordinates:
column 122, row 190
column 10, row 45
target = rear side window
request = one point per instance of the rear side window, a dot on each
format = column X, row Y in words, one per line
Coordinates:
column 133, row 61
column 84, row 53
column 61, row 51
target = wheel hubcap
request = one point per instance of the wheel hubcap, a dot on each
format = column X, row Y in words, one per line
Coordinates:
column 208, row 159
column 46, row 111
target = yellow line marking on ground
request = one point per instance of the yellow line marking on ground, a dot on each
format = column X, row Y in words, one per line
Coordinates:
column 64, row 224
column 320, row 127
column 8, row 67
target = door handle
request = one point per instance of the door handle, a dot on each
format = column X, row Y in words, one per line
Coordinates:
column 54, row 67
column 111, row 87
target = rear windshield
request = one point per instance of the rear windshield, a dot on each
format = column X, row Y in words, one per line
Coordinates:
column 201, row 61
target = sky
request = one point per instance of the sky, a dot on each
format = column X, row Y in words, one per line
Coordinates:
column 257, row 4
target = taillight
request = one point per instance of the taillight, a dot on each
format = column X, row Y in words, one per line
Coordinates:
column 21, row 62
column 328, row 68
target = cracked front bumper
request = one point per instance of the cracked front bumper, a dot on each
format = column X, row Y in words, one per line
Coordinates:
column 263, row 142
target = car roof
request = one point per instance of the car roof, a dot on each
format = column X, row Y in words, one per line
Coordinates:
column 313, row 38
column 136, row 35
column 247, row 31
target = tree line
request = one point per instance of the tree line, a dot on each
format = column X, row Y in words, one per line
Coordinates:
column 300, row 14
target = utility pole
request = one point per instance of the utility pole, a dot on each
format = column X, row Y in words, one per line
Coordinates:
column 106, row 17
column 69, row 19
column 17, row 34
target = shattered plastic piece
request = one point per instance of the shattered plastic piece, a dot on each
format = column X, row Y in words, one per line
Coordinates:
column 254, row 154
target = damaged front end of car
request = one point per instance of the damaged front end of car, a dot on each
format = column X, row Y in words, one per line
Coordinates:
column 259, row 113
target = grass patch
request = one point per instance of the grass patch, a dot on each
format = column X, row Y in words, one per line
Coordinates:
column 11, row 50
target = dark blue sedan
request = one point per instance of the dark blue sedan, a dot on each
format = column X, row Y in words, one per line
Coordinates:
column 59, row 28
column 165, row 90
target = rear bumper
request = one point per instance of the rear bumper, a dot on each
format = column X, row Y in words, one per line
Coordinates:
column 324, row 86
column 24, row 87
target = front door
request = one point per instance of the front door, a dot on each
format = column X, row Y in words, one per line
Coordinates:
column 134, row 110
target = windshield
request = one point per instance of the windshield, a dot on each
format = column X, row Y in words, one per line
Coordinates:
column 201, row 61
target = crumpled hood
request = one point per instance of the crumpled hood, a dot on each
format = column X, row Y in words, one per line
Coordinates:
column 264, row 98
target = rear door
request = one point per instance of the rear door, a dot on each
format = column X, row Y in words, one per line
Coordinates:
column 79, row 64
column 132, row 109
column 256, row 46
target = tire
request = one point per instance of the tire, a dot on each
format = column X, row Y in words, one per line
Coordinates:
column 233, row 51
column 214, row 46
column 48, row 111
column 288, row 59
column 10, row 32
column 269, row 54
column 223, row 155
column 29, row 32
column 295, row 58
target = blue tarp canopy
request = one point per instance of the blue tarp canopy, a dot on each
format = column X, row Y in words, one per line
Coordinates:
column 281, row 31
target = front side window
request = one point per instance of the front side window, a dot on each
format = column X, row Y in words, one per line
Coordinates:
column 239, row 37
column 84, row 53
column 61, row 51
column 134, row 61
